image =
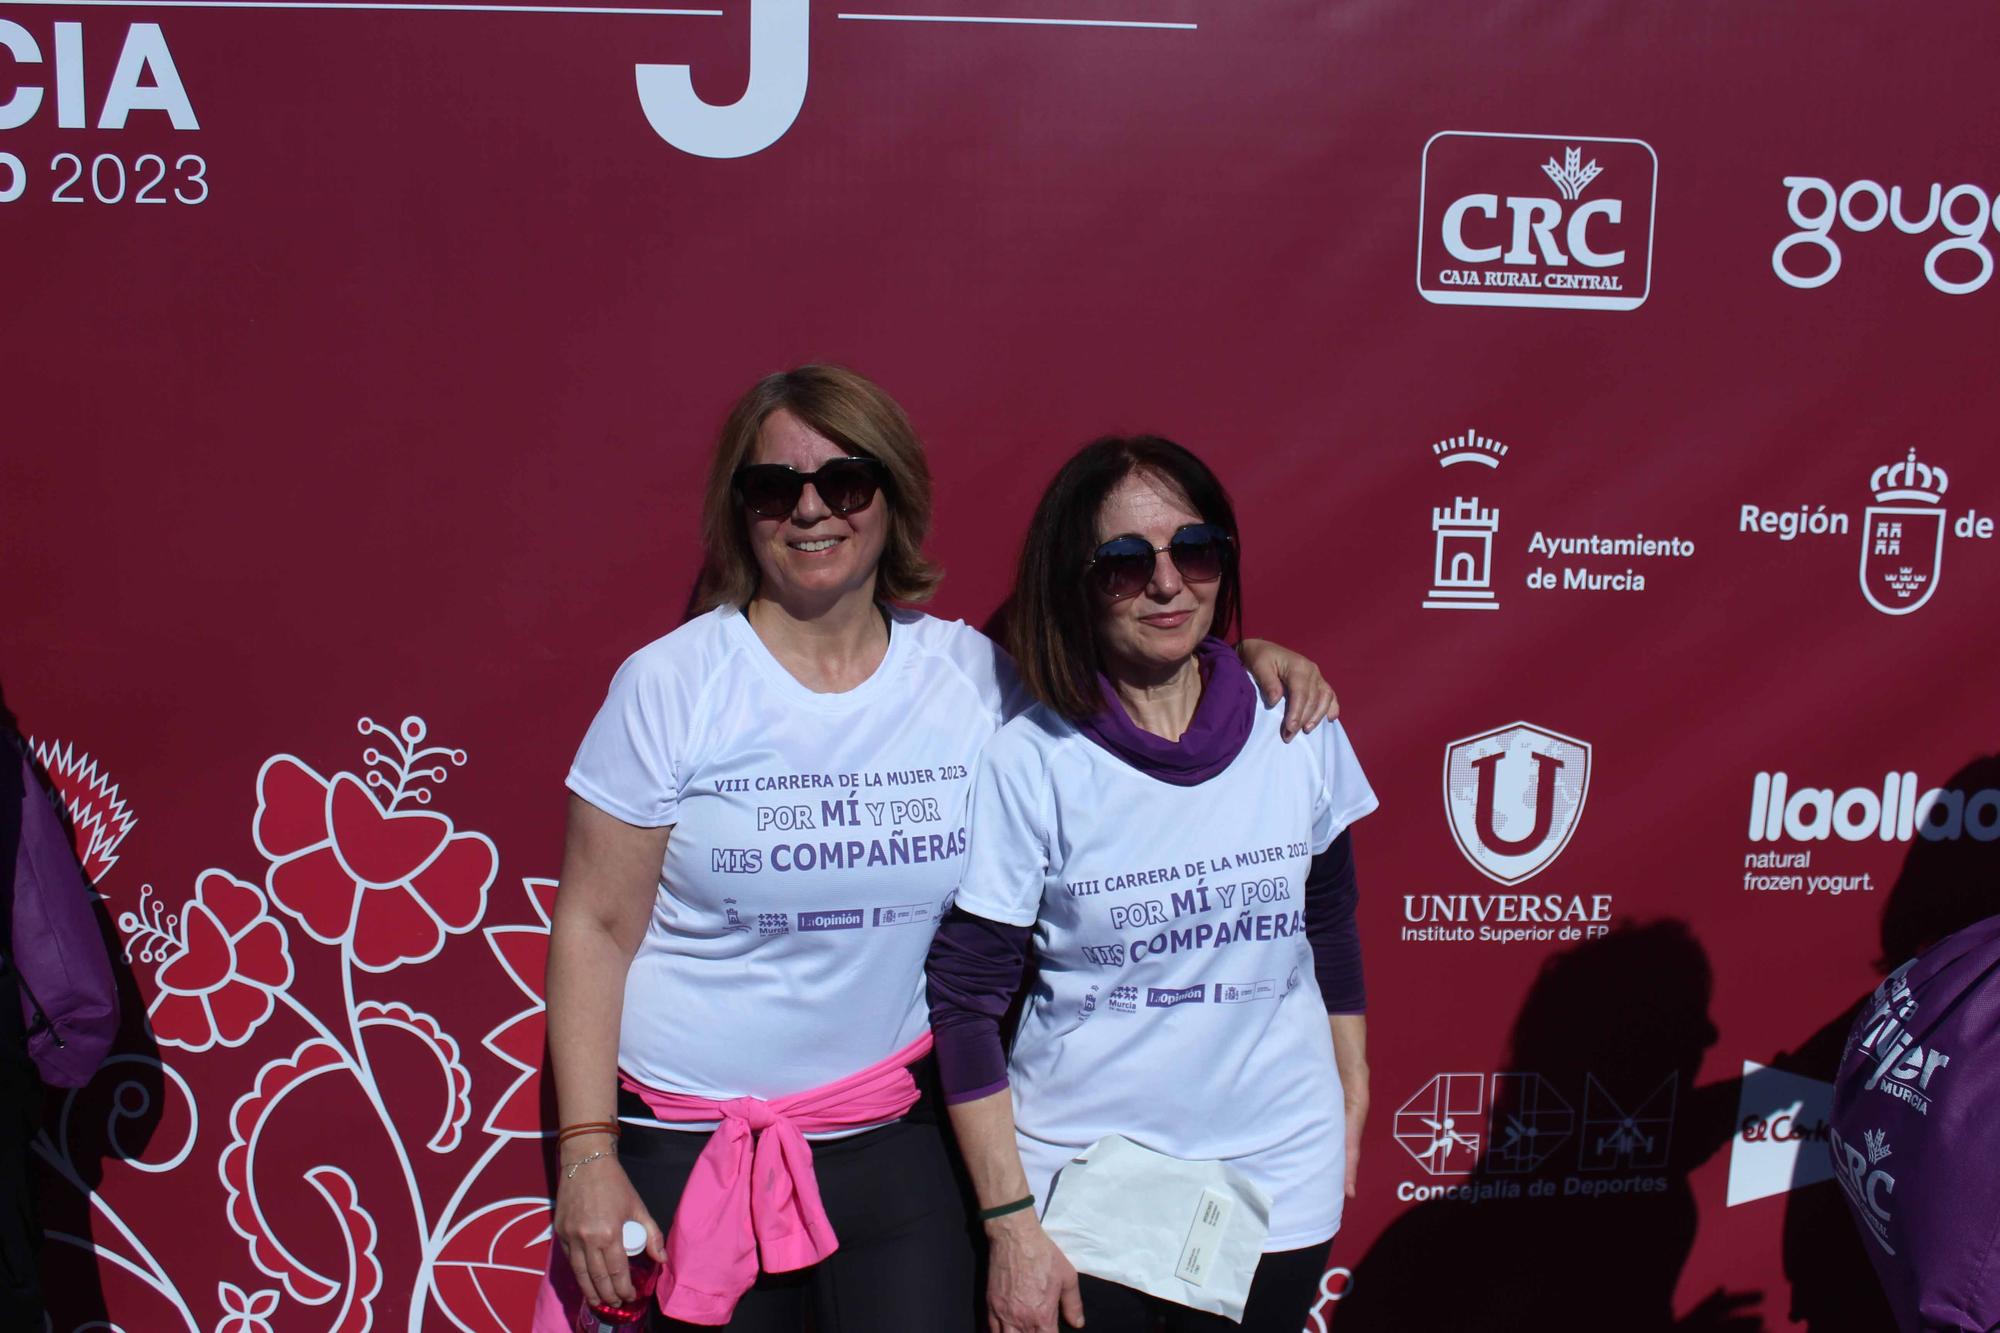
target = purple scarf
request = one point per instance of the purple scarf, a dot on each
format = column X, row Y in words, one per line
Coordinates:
column 1221, row 724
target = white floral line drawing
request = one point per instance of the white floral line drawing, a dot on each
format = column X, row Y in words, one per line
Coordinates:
column 360, row 865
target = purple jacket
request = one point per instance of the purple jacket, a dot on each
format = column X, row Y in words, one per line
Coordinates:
column 69, row 996
column 1915, row 1139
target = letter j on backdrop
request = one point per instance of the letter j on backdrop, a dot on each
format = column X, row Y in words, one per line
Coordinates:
column 754, row 121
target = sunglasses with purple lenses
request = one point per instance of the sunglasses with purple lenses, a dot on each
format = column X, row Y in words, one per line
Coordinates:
column 772, row 490
column 1123, row 566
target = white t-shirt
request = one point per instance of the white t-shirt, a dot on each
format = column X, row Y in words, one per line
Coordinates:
column 817, row 838
column 1176, row 1002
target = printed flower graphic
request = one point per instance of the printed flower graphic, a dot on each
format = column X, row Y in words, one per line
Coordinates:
column 245, row 1312
column 98, row 815
column 221, row 960
column 388, row 881
column 524, row 952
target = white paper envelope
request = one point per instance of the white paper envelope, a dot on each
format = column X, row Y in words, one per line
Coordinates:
column 1189, row 1232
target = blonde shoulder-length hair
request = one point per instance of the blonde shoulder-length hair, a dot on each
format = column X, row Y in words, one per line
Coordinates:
column 855, row 414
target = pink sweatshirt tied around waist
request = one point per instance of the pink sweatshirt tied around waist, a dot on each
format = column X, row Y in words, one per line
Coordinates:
column 753, row 1194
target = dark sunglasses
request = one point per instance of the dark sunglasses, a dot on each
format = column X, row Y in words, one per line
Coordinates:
column 772, row 490
column 1123, row 566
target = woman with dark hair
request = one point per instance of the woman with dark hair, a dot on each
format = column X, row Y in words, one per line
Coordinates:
column 1188, row 887
column 766, row 819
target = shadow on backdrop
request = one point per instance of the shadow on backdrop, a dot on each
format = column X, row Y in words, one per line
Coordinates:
column 1943, row 887
column 1580, row 1215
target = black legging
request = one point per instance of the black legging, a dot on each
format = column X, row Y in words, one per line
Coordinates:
column 905, row 1256
column 1281, row 1294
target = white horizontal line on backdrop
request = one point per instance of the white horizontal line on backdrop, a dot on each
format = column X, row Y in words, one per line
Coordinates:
column 1049, row 23
column 440, row 7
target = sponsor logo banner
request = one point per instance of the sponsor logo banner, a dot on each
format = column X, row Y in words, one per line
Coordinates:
column 1536, row 220
column 1509, row 1142
column 1869, row 1185
column 845, row 918
column 1781, row 1134
column 1963, row 213
column 1513, row 797
column 1902, row 533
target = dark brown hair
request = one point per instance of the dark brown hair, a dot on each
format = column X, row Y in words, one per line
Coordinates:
column 1052, row 623
column 855, row 414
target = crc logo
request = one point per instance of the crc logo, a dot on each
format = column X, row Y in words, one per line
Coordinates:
column 1860, row 1174
column 1513, row 797
column 1536, row 220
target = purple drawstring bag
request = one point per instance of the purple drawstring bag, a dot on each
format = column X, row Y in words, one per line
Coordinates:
column 69, row 996
column 1915, row 1141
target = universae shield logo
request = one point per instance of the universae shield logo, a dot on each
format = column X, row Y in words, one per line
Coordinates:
column 1513, row 796
column 1902, row 545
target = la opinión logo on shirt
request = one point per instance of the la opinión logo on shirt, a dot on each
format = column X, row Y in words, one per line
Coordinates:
column 1159, row 998
column 846, row 918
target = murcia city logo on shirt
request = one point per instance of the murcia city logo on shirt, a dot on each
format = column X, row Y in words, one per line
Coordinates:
column 1513, row 797
column 1536, row 220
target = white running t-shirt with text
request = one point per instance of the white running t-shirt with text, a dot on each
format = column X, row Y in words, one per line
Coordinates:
column 816, row 840
column 1175, row 1001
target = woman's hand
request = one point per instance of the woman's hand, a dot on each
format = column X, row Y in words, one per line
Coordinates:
column 592, row 1208
column 1281, row 673
column 1028, row 1278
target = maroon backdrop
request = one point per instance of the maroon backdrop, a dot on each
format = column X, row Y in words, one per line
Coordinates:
column 362, row 361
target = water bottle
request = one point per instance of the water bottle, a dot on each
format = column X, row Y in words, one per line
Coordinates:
column 610, row 1317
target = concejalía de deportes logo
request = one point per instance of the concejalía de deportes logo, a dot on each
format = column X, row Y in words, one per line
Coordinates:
column 1555, row 220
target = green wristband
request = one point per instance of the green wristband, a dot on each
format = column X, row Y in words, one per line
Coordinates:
column 988, row 1214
